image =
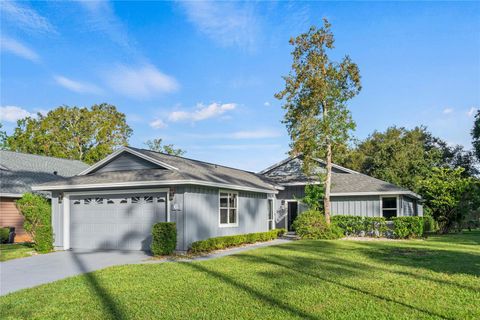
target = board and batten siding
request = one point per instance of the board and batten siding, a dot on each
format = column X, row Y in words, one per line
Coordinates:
column 127, row 161
column 201, row 208
column 363, row 206
column 57, row 220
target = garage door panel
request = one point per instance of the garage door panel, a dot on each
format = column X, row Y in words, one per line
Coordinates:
column 115, row 221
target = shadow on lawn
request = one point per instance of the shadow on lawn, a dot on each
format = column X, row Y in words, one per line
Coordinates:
column 301, row 264
column 112, row 309
column 253, row 292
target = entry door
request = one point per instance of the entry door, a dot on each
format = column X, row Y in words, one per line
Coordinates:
column 292, row 214
column 115, row 221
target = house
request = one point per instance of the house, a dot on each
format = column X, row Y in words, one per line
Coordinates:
column 352, row 193
column 114, row 203
column 18, row 172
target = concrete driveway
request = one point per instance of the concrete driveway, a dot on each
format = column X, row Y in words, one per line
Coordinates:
column 33, row 271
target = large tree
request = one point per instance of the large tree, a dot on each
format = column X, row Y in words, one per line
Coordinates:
column 158, row 146
column 403, row 156
column 315, row 96
column 476, row 135
column 86, row 134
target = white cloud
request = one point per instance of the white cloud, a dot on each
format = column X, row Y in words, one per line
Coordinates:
column 17, row 48
column 471, row 112
column 266, row 104
column 447, row 110
column 26, row 18
column 158, row 124
column 141, row 82
column 77, row 86
column 13, row 113
column 201, row 112
column 227, row 23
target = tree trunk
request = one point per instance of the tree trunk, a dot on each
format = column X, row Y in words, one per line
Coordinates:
column 328, row 183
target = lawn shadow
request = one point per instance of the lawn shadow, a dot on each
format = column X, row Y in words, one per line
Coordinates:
column 112, row 309
column 254, row 292
column 300, row 264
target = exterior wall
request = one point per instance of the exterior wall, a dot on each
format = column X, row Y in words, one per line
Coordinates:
column 11, row 217
column 127, row 161
column 363, row 206
column 292, row 193
column 57, row 220
column 201, row 215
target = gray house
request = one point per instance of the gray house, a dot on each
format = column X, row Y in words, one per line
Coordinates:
column 114, row 203
column 352, row 193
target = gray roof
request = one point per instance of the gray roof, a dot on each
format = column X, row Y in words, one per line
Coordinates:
column 19, row 171
column 188, row 170
column 289, row 172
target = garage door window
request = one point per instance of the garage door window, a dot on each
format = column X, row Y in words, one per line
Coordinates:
column 87, row 201
column 228, row 209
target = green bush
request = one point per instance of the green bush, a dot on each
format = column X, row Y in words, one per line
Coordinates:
column 37, row 213
column 407, row 227
column 164, row 238
column 429, row 225
column 218, row 243
column 311, row 224
column 4, row 234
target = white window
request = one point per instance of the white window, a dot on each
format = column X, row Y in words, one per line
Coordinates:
column 228, row 209
column 389, row 207
column 270, row 214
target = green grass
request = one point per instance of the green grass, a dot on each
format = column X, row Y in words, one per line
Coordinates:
column 434, row 279
column 16, row 250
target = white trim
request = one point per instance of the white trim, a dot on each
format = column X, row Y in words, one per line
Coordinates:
column 272, row 199
column 88, row 193
column 150, row 183
column 126, row 149
column 66, row 221
column 11, row 195
column 228, row 225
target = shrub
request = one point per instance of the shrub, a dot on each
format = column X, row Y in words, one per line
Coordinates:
column 4, row 235
column 164, row 238
column 429, row 225
column 37, row 212
column 407, row 227
column 311, row 224
column 218, row 243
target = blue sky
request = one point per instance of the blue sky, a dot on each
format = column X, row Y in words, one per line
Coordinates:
column 202, row 75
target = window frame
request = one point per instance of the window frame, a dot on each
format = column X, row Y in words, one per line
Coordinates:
column 228, row 224
column 271, row 208
column 397, row 207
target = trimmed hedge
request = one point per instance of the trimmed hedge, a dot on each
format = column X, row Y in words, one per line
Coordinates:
column 164, row 238
column 400, row 227
column 407, row 227
column 361, row 226
column 4, row 234
column 38, row 220
column 311, row 224
column 219, row 243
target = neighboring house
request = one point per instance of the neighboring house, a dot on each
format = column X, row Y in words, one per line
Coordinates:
column 352, row 193
column 114, row 203
column 18, row 172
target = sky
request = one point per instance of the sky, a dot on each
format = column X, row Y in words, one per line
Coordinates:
column 202, row 75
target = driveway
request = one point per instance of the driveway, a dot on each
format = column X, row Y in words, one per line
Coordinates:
column 33, row 271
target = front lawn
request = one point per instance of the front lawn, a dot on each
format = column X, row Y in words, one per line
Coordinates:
column 15, row 250
column 437, row 278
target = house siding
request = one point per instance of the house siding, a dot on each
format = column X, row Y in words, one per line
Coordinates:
column 57, row 220
column 201, row 220
column 126, row 161
column 10, row 216
column 361, row 206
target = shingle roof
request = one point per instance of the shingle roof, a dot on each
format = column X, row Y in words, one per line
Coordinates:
column 188, row 170
column 289, row 172
column 19, row 171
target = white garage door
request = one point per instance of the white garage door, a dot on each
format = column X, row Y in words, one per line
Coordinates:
column 115, row 221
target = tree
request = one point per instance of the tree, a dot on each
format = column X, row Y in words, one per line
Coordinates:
column 313, row 194
column 476, row 135
column 315, row 96
column 77, row 133
column 445, row 191
column 156, row 145
column 403, row 157
column 3, row 139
